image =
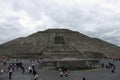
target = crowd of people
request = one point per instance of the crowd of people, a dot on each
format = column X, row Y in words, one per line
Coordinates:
column 116, row 59
column 63, row 72
column 110, row 65
column 19, row 67
column 11, row 67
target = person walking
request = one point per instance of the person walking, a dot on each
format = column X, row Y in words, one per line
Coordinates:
column 10, row 72
column 1, row 71
column 30, row 69
column 36, row 76
column 4, row 63
column 66, row 72
column 61, row 73
column 23, row 69
column 17, row 66
column 83, row 78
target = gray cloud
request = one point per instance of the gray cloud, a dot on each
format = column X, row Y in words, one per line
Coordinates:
column 95, row 18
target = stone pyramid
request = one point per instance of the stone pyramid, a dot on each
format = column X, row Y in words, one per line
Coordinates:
column 59, row 43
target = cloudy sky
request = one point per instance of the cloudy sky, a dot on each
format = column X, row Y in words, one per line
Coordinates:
column 95, row 18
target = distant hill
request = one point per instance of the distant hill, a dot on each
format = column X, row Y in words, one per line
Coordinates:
column 58, row 41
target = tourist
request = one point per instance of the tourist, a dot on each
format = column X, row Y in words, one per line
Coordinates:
column 1, row 71
column 30, row 69
column 21, row 66
column 17, row 65
column 112, row 71
column 33, row 69
column 61, row 73
column 66, row 72
column 13, row 66
column 83, row 78
column 36, row 76
column 10, row 72
column 102, row 65
column 23, row 69
column 34, row 73
column 4, row 63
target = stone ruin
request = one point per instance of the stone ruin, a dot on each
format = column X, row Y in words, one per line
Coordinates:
column 60, row 47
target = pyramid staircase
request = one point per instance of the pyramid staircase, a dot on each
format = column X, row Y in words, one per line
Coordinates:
column 60, row 49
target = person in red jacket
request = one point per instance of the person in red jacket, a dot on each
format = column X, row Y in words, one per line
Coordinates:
column 66, row 72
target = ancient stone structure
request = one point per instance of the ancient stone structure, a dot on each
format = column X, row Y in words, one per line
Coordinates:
column 60, row 47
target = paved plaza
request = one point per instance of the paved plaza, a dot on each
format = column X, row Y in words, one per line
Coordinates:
column 45, row 74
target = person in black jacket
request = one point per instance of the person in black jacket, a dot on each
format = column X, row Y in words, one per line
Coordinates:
column 84, row 78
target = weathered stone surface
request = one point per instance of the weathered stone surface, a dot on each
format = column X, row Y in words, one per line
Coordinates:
column 58, row 41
